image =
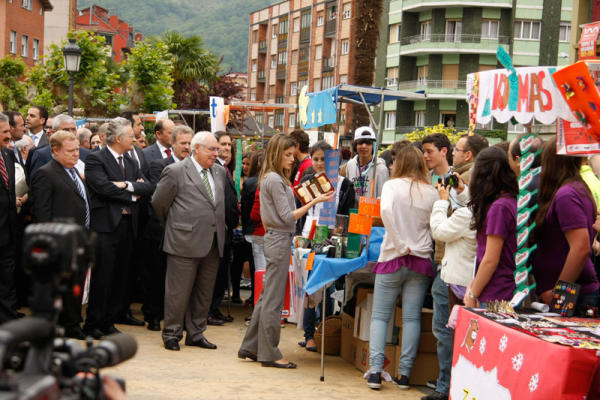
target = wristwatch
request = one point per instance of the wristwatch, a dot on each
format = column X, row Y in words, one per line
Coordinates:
column 471, row 295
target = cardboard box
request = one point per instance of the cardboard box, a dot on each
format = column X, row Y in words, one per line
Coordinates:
column 427, row 343
column 362, row 321
column 424, row 369
column 426, row 319
column 362, row 358
column 348, row 344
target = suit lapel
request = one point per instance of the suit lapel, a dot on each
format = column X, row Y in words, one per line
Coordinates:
column 64, row 175
column 194, row 175
column 219, row 189
column 112, row 163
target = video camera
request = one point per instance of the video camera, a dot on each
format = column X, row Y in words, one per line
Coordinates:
column 37, row 362
column 448, row 180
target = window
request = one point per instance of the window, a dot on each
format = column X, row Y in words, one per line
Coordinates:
column 297, row 24
column 24, row 45
column 271, row 121
column 273, row 61
column 419, row 118
column 320, row 19
column 328, row 82
column 345, row 46
column 343, row 79
column 303, row 54
column 293, row 89
column 450, row 76
column 316, row 85
column 302, row 83
column 306, row 20
column 318, row 52
column 283, row 27
column 564, row 35
column 271, row 90
column 292, row 123
column 426, row 30
column 453, row 31
column 274, row 31
column 395, row 33
column 390, row 120
column 282, row 57
column 26, row 4
column 527, row 30
column 35, row 51
column 259, row 118
column 13, row 42
column 331, row 13
column 253, row 96
column 294, row 57
column 254, row 66
column 347, row 10
column 489, row 29
column 279, row 119
column 254, row 36
column 391, row 76
column 422, row 74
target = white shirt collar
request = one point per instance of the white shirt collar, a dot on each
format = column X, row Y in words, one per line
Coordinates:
column 162, row 149
column 114, row 153
column 175, row 159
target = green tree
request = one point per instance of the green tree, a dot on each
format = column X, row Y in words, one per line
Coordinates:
column 150, row 66
column 12, row 90
column 191, row 63
column 97, row 84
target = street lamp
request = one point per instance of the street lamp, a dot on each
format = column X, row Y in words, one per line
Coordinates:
column 72, row 57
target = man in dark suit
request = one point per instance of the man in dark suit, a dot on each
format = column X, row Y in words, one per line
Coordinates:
column 115, row 184
column 35, row 121
column 153, row 275
column 162, row 144
column 232, row 217
column 8, row 225
column 58, row 191
column 189, row 202
column 17, row 130
column 42, row 154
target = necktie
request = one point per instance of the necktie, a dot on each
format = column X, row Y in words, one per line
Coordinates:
column 3, row 170
column 207, row 184
column 82, row 194
column 121, row 165
column 168, row 151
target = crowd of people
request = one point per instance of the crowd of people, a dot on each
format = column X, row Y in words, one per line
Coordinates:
column 171, row 233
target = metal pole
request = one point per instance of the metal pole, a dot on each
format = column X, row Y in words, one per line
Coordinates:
column 323, row 318
column 71, row 94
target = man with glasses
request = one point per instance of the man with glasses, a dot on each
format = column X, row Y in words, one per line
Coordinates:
column 464, row 153
column 189, row 202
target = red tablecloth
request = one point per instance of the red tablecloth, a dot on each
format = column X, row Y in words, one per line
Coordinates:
column 496, row 361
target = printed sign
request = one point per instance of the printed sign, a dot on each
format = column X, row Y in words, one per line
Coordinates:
column 587, row 42
column 369, row 206
column 360, row 224
column 217, row 114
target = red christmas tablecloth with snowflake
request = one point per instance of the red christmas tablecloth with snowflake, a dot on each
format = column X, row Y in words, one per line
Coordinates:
column 493, row 360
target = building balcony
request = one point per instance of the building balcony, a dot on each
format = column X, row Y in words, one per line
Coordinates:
column 328, row 64
column 282, row 43
column 402, row 130
column 436, row 89
column 421, row 5
column 281, row 71
column 330, row 28
column 303, row 68
column 305, row 35
column 447, row 43
column 260, row 77
column 262, row 47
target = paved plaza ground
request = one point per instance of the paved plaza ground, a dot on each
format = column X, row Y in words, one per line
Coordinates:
column 195, row 373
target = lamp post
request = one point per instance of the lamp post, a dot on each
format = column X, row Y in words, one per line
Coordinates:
column 72, row 58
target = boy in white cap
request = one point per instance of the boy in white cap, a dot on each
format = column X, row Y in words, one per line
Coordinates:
column 361, row 168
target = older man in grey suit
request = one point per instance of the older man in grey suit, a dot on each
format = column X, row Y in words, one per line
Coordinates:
column 189, row 202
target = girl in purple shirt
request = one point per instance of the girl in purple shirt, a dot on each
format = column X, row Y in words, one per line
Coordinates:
column 564, row 232
column 494, row 190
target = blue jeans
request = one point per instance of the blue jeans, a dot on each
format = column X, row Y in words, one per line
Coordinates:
column 439, row 292
column 413, row 287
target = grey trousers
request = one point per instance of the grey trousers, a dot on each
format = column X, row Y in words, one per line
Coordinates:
column 188, row 293
column 262, row 336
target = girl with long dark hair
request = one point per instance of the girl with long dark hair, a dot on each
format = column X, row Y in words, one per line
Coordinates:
column 493, row 190
column 564, row 232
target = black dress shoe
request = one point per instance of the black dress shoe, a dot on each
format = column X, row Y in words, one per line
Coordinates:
column 129, row 319
column 243, row 354
column 109, row 330
column 214, row 321
column 74, row 332
column 153, row 325
column 219, row 315
column 95, row 333
column 202, row 342
column 172, row 344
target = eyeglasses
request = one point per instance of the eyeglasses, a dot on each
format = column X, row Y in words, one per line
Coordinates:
column 211, row 149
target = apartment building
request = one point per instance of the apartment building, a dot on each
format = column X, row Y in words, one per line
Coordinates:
column 434, row 44
column 60, row 21
column 23, row 22
column 297, row 43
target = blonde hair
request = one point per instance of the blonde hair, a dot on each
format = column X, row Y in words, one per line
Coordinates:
column 274, row 156
column 57, row 139
column 410, row 163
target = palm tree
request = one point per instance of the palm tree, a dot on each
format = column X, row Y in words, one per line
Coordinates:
column 192, row 62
